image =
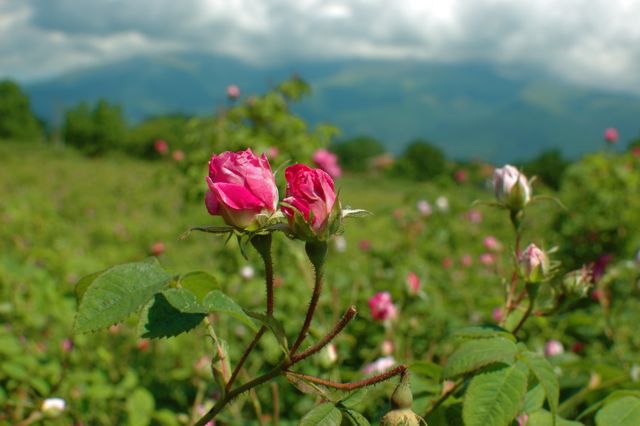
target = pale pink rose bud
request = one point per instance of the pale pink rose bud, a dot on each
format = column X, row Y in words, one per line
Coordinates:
column 241, row 187
column 497, row 314
column 311, row 194
column 381, row 306
column 379, row 366
column 53, row 407
column 413, row 283
column 466, row 260
column 424, row 208
column 328, row 162
column 511, row 187
column 611, row 135
column 157, row 248
column 247, row 272
column 487, row 259
column 178, row 155
column 161, row 146
column 387, row 347
column 533, row 264
column 553, row 348
column 233, row 92
column 491, row 243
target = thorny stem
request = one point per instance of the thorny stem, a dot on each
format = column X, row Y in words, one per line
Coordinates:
column 262, row 244
column 510, row 305
column 317, row 289
column 351, row 386
column 340, row 325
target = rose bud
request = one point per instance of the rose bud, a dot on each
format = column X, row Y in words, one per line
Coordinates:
column 413, row 283
column 233, row 92
column 611, row 135
column 309, row 204
column 241, row 187
column 53, row 407
column 382, row 308
column 328, row 162
column 511, row 187
column 553, row 348
column 533, row 264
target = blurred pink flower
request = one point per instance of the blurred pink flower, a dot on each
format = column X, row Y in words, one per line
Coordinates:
column 413, row 283
column 66, row 345
column 523, row 419
column 553, row 348
column 424, row 208
column 497, row 314
column 447, row 263
column 379, row 366
column 611, row 135
column 178, row 155
column 364, row 245
column 600, row 266
column 273, row 152
column 474, row 216
column 233, row 92
column 387, row 347
column 460, row 176
column 328, row 162
column 157, row 248
column 161, row 146
column 491, row 243
column 381, row 306
column 466, row 260
column 487, row 259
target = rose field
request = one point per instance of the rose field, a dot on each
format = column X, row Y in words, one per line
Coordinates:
column 233, row 271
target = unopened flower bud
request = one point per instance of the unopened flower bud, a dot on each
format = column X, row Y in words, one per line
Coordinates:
column 533, row 264
column 553, row 348
column 328, row 356
column 511, row 187
column 387, row 348
column 53, row 407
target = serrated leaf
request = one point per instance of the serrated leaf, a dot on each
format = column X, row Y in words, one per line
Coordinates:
column 83, row 284
column 494, row 396
column 475, row 354
column 355, row 418
column 426, row 369
column 544, row 418
column 534, row 400
column 161, row 319
column 118, row 292
column 621, row 412
column 483, row 332
column 543, row 370
column 140, row 407
column 200, row 283
column 274, row 326
column 354, row 398
column 323, row 415
column 215, row 301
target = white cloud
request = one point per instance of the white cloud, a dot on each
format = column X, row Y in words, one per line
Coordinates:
column 593, row 42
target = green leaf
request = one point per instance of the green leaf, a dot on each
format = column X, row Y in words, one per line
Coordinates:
column 140, row 407
column 355, row 418
column 543, row 370
column 621, row 412
column 83, row 284
column 494, row 396
column 118, row 292
column 275, row 326
column 199, row 283
column 545, row 418
column 483, row 332
column 354, row 398
column 323, row 415
column 161, row 319
column 475, row 354
column 215, row 301
column 534, row 400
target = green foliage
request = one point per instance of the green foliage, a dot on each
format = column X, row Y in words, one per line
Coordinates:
column 94, row 130
column 420, row 161
column 355, row 154
column 621, row 412
column 604, row 212
column 549, row 166
column 543, row 371
column 475, row 354
column 140, row 139
column 16, row 119
column 323, row 415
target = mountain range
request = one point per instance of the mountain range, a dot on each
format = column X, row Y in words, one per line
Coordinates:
column 471, row 110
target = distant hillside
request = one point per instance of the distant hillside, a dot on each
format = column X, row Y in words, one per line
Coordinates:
column 471, row 110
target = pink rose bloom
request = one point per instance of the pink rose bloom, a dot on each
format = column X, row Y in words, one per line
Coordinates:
column 381, row 306
column 466, row 260
column 241, row 186
column 311, row 192
column 553, row 348
column 379, row 366
column 161, row 146
column 497, row 314
column 474, row 216
column 611, row 135
column 491, row 243
column 328, row 162
column 233, row 91
column 413, row 283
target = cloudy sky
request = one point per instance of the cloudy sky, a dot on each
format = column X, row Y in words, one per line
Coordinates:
column 591, row 42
